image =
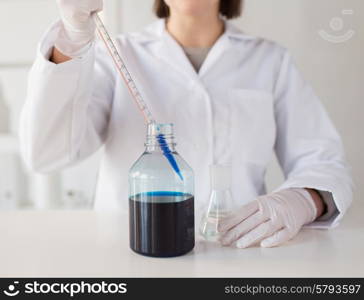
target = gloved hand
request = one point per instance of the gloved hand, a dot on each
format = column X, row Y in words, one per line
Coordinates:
column 269, row 220
column 78, row 29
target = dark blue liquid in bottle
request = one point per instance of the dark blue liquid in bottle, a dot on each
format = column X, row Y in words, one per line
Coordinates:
column 162, row 223
column 161, row 200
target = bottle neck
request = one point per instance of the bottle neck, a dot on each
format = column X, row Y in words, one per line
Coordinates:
column 160, row 138
column 157, row 143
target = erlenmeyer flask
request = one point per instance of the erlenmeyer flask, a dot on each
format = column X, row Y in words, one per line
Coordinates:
column 221, row 201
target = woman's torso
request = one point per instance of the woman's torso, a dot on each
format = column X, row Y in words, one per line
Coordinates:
column 223, row 114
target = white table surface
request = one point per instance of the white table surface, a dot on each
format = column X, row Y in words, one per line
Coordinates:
column 92, row 244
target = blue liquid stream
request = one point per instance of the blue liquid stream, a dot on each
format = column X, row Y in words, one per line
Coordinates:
column 168, row 154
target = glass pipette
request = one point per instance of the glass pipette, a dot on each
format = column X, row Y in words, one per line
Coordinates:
column 136, row 95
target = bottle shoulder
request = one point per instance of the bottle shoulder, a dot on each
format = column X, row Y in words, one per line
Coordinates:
column 156, row 164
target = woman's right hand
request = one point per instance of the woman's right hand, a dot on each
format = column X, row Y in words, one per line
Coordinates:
column 78, row 26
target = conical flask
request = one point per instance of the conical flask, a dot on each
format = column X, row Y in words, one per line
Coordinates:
column 221, row 201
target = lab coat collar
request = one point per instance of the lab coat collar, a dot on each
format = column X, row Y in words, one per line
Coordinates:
column 157, row 30
column 168, row 50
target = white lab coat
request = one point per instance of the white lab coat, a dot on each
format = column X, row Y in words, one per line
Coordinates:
column 247, row 101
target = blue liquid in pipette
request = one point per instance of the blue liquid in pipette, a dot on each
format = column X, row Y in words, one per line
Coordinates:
column 168, row 154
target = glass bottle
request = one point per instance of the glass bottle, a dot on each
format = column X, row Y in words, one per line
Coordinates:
column 220, row 204
column 161, row 198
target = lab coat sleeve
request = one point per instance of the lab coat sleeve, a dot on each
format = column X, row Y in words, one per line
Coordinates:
column 308, row 147
column 66, row 112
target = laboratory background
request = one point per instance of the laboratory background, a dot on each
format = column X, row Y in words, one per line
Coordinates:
column 326, row 38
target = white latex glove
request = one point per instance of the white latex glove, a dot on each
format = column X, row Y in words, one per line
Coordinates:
column 269, row 220
column 78, row 29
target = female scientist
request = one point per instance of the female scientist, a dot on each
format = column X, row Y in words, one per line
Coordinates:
column 233, row 98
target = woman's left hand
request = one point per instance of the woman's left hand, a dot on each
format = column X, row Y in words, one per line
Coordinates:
column 269, row 220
